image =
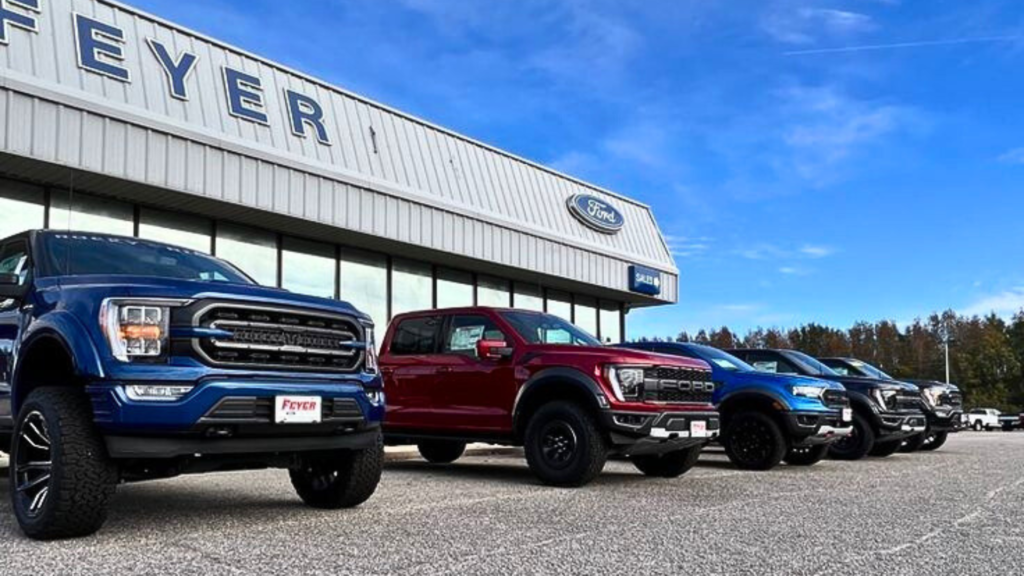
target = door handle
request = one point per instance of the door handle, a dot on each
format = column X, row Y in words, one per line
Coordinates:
column 444, row 370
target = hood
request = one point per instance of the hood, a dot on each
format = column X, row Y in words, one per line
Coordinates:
column 100, row 287
column 613, row 355
column 771, row 378
column 863, row 382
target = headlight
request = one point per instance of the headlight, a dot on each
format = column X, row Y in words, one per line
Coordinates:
column 626, row 382
column 886, row 398
column 371, row 349
column 135, row 329
column 808, row 391
column 932, row 396
column 375, row 396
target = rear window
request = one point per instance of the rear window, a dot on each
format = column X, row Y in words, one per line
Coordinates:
column 416, row 336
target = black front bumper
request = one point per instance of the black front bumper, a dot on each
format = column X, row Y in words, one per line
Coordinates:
column 900, row 425
column 643, row 433
column 816, row 428
column 160, row 447
column 944, row 422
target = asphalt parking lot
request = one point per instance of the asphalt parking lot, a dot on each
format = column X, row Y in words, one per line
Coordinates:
column 956, row 511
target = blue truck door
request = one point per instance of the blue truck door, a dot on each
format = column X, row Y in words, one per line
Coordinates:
column 13, row 260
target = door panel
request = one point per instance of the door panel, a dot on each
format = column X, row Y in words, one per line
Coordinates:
column 409, row 367
column 13, row 260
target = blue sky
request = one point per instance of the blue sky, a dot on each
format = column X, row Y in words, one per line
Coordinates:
column 824, row 161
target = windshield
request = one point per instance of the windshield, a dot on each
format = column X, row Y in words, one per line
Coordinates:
column 811, row 365
column 721, row 359
column 538, row 328
column 869, row 370
column 81, row 254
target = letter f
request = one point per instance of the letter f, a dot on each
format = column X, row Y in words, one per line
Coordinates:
column 10, row 18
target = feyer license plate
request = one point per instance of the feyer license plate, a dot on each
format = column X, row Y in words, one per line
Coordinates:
column 298, row 410
column 698, row 429
column 847, row 414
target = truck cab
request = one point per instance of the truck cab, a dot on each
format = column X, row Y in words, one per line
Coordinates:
column 522, row 378
column 885, row 413
column 124, row 360
column 768, row 418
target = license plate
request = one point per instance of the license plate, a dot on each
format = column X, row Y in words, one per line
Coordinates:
column 698, row 429
column 298, row 410
column 847, row 414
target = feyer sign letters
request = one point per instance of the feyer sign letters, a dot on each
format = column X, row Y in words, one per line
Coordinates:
column 102, row 49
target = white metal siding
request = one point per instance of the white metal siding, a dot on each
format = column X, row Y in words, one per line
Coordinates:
column 424, row 185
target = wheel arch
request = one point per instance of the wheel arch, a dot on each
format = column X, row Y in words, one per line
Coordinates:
column 550, row 385
column 54, row 352
column 761, row 401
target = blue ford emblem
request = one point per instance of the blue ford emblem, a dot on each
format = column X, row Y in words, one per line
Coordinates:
column 596, row 213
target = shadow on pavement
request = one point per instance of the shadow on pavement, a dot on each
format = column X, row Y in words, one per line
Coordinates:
column 507, row 473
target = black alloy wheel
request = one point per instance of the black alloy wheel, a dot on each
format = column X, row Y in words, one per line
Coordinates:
column 857, row 444
column 934, row 441
column 806, row 455
column 753, row 441
column 32, row 465
column 558, row 444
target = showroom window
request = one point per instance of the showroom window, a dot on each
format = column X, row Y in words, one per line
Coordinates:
column 492, row 292
column 412, row 287
column 364, row 284
column 611, row 323
column 81, row 213
column 308, row 267
column 527, row 297
column 454, row 288
column 21, row 208
column 585, row 314
column 560, row 304
column 178, row 229
column 253, row 251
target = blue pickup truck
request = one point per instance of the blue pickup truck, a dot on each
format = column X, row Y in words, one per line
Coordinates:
column 768, row 418
column 124, row 360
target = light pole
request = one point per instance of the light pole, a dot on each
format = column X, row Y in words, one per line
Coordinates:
column 946, row 341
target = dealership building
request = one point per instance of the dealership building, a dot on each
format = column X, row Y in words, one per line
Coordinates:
column 112, row 120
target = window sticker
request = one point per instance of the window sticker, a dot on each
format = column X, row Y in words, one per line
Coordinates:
column 466, row 337
column 723, row 363
column 767, row 366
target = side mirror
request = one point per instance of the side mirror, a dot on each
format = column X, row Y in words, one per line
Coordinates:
column 493, row 350
column 10, row 287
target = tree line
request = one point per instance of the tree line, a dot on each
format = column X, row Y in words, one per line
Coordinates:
column 986, row 354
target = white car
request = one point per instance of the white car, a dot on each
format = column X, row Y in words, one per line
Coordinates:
column 983, row 418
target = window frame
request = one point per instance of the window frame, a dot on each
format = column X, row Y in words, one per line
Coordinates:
column 438, row 335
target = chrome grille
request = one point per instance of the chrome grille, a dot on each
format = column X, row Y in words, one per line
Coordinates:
column 908, row 401
column 281, row 339
column 678, row 385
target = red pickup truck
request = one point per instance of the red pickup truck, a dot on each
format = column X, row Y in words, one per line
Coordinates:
column 521, row 378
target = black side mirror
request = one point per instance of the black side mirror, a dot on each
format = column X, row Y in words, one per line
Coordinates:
column 10, row 287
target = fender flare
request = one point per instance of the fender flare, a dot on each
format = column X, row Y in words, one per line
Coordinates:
column 571, row 376
column 63, row 328
column 862, row 403
column 755, row 394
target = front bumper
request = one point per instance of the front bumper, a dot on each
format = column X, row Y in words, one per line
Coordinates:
column 229, row 409
column 144, row 447
column 945, row 421
column 816, row 428
column 643, row 433
column 900, row 425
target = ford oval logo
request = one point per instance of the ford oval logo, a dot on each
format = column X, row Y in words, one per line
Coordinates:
column 596, row 213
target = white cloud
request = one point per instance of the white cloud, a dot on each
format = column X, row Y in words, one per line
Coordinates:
column 812, row 251
column 685, row 247
column 1014, row 156
column 1006, row 303
column 805, row 26
column 791, row 271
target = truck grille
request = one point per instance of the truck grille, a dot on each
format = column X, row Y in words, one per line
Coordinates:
column 249, row 410
column 835, row 399
column 908, row 401
column 952, row 400
column 678, row 385
column 281, row 339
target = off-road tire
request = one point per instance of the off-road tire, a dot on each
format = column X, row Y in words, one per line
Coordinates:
column 82, row 478
column 857, row 444
column 936, row 442
column 583, row 460
column 669, row 465
column 885, row 449
column 754, row 441
column 978, row 426
column 339, row 479
column 806, row 455
column 441, row 451
column 913, row 444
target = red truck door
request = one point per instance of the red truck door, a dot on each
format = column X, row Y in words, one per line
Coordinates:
column 473, row 393
column 409, row 366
